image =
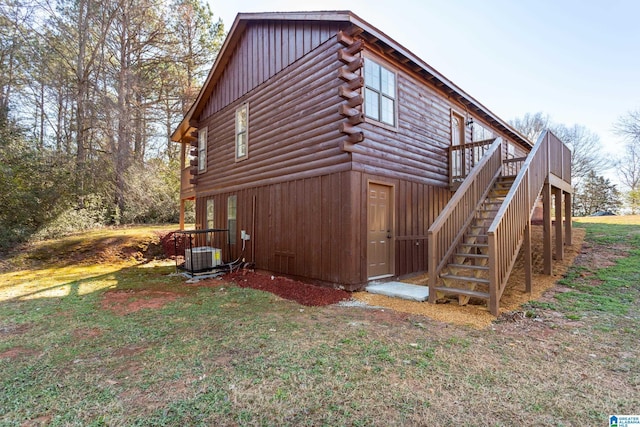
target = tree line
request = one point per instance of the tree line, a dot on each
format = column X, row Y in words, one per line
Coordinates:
column 89, row 94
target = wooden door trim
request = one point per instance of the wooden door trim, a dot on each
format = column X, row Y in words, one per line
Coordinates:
column 392, row 215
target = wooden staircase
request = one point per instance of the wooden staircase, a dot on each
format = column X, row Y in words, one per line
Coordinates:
column 474, row 242
column 466, row 274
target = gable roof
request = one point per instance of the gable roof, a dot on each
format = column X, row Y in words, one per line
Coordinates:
column 372, row 35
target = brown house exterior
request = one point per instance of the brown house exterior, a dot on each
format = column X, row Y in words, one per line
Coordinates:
column 328, row 144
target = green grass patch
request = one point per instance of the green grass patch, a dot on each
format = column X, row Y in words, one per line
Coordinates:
column 225, row 355
column 612, row 290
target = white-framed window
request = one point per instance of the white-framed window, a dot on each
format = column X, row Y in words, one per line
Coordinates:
column 242, row 132
column 202, row 150
column 481, row 133
column 210, row 218
column 211, row 213
column 232, row 217
column 379, row 93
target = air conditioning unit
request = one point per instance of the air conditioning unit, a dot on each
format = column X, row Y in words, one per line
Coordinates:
column 202, row 258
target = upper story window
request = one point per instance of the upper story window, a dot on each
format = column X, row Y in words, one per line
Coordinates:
column 202, row 150
column 379, row 93
column 242, row 132
column 481, row 133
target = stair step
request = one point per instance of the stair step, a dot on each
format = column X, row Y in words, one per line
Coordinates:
column 476, row 245
column 477, row 256
column 469, row 266
column 465, row 278
column 467, row 292
column 476, row 235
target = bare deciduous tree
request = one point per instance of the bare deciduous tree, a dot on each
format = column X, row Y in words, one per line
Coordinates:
column 628, row 127
column 586, row 148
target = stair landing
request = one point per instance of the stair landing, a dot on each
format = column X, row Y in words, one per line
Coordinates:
column 399, row 290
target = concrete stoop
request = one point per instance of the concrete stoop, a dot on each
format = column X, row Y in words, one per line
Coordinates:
column 399, row 290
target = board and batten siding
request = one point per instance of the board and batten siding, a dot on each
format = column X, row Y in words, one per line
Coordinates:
column 416, row 206
column 304, row 227
column 292, row 127
column 265, row 49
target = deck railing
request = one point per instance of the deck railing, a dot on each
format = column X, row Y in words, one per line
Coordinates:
column 448, row 229
column 463, row 158
column 506, row 233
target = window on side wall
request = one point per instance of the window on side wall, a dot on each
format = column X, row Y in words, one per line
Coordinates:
column 202, row 150
column 232, row 213
column 242, row 132
column 210, row 222
column 379, row 93
column 210, row 213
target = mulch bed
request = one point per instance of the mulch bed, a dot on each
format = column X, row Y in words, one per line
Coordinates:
column 302, row 293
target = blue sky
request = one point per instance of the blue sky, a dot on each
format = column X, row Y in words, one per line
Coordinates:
column 578, row 61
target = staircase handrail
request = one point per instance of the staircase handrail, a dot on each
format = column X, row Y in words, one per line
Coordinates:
column 448, row 229
column 505, row 234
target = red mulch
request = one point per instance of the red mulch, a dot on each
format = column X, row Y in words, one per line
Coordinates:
column 302, row 293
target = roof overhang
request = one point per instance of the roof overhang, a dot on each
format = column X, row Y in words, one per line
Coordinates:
column 373, row 36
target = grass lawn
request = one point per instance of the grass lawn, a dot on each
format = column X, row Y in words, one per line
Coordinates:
column 74, row 351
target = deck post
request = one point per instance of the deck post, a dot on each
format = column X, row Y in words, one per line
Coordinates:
column 527, row 257
column 494, row 280
column 547, row 249
column 568, row 218
column 559, row 234
column 432, row 266
column 181, row 214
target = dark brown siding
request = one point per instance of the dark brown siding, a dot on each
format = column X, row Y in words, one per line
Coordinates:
column 418, row 149
column 293, row 128
column 303, row 227
column 266, row 48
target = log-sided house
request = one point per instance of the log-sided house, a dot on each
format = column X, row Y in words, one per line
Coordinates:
column 334, row 154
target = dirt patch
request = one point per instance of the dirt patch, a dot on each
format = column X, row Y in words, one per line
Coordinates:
column 602, row 257
column 302, row 293
column 173, row 244
column 17, row 352
column 40, row 421
column 129, row 351
column 15, row 329
column 123, row 302
column 87, row 333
